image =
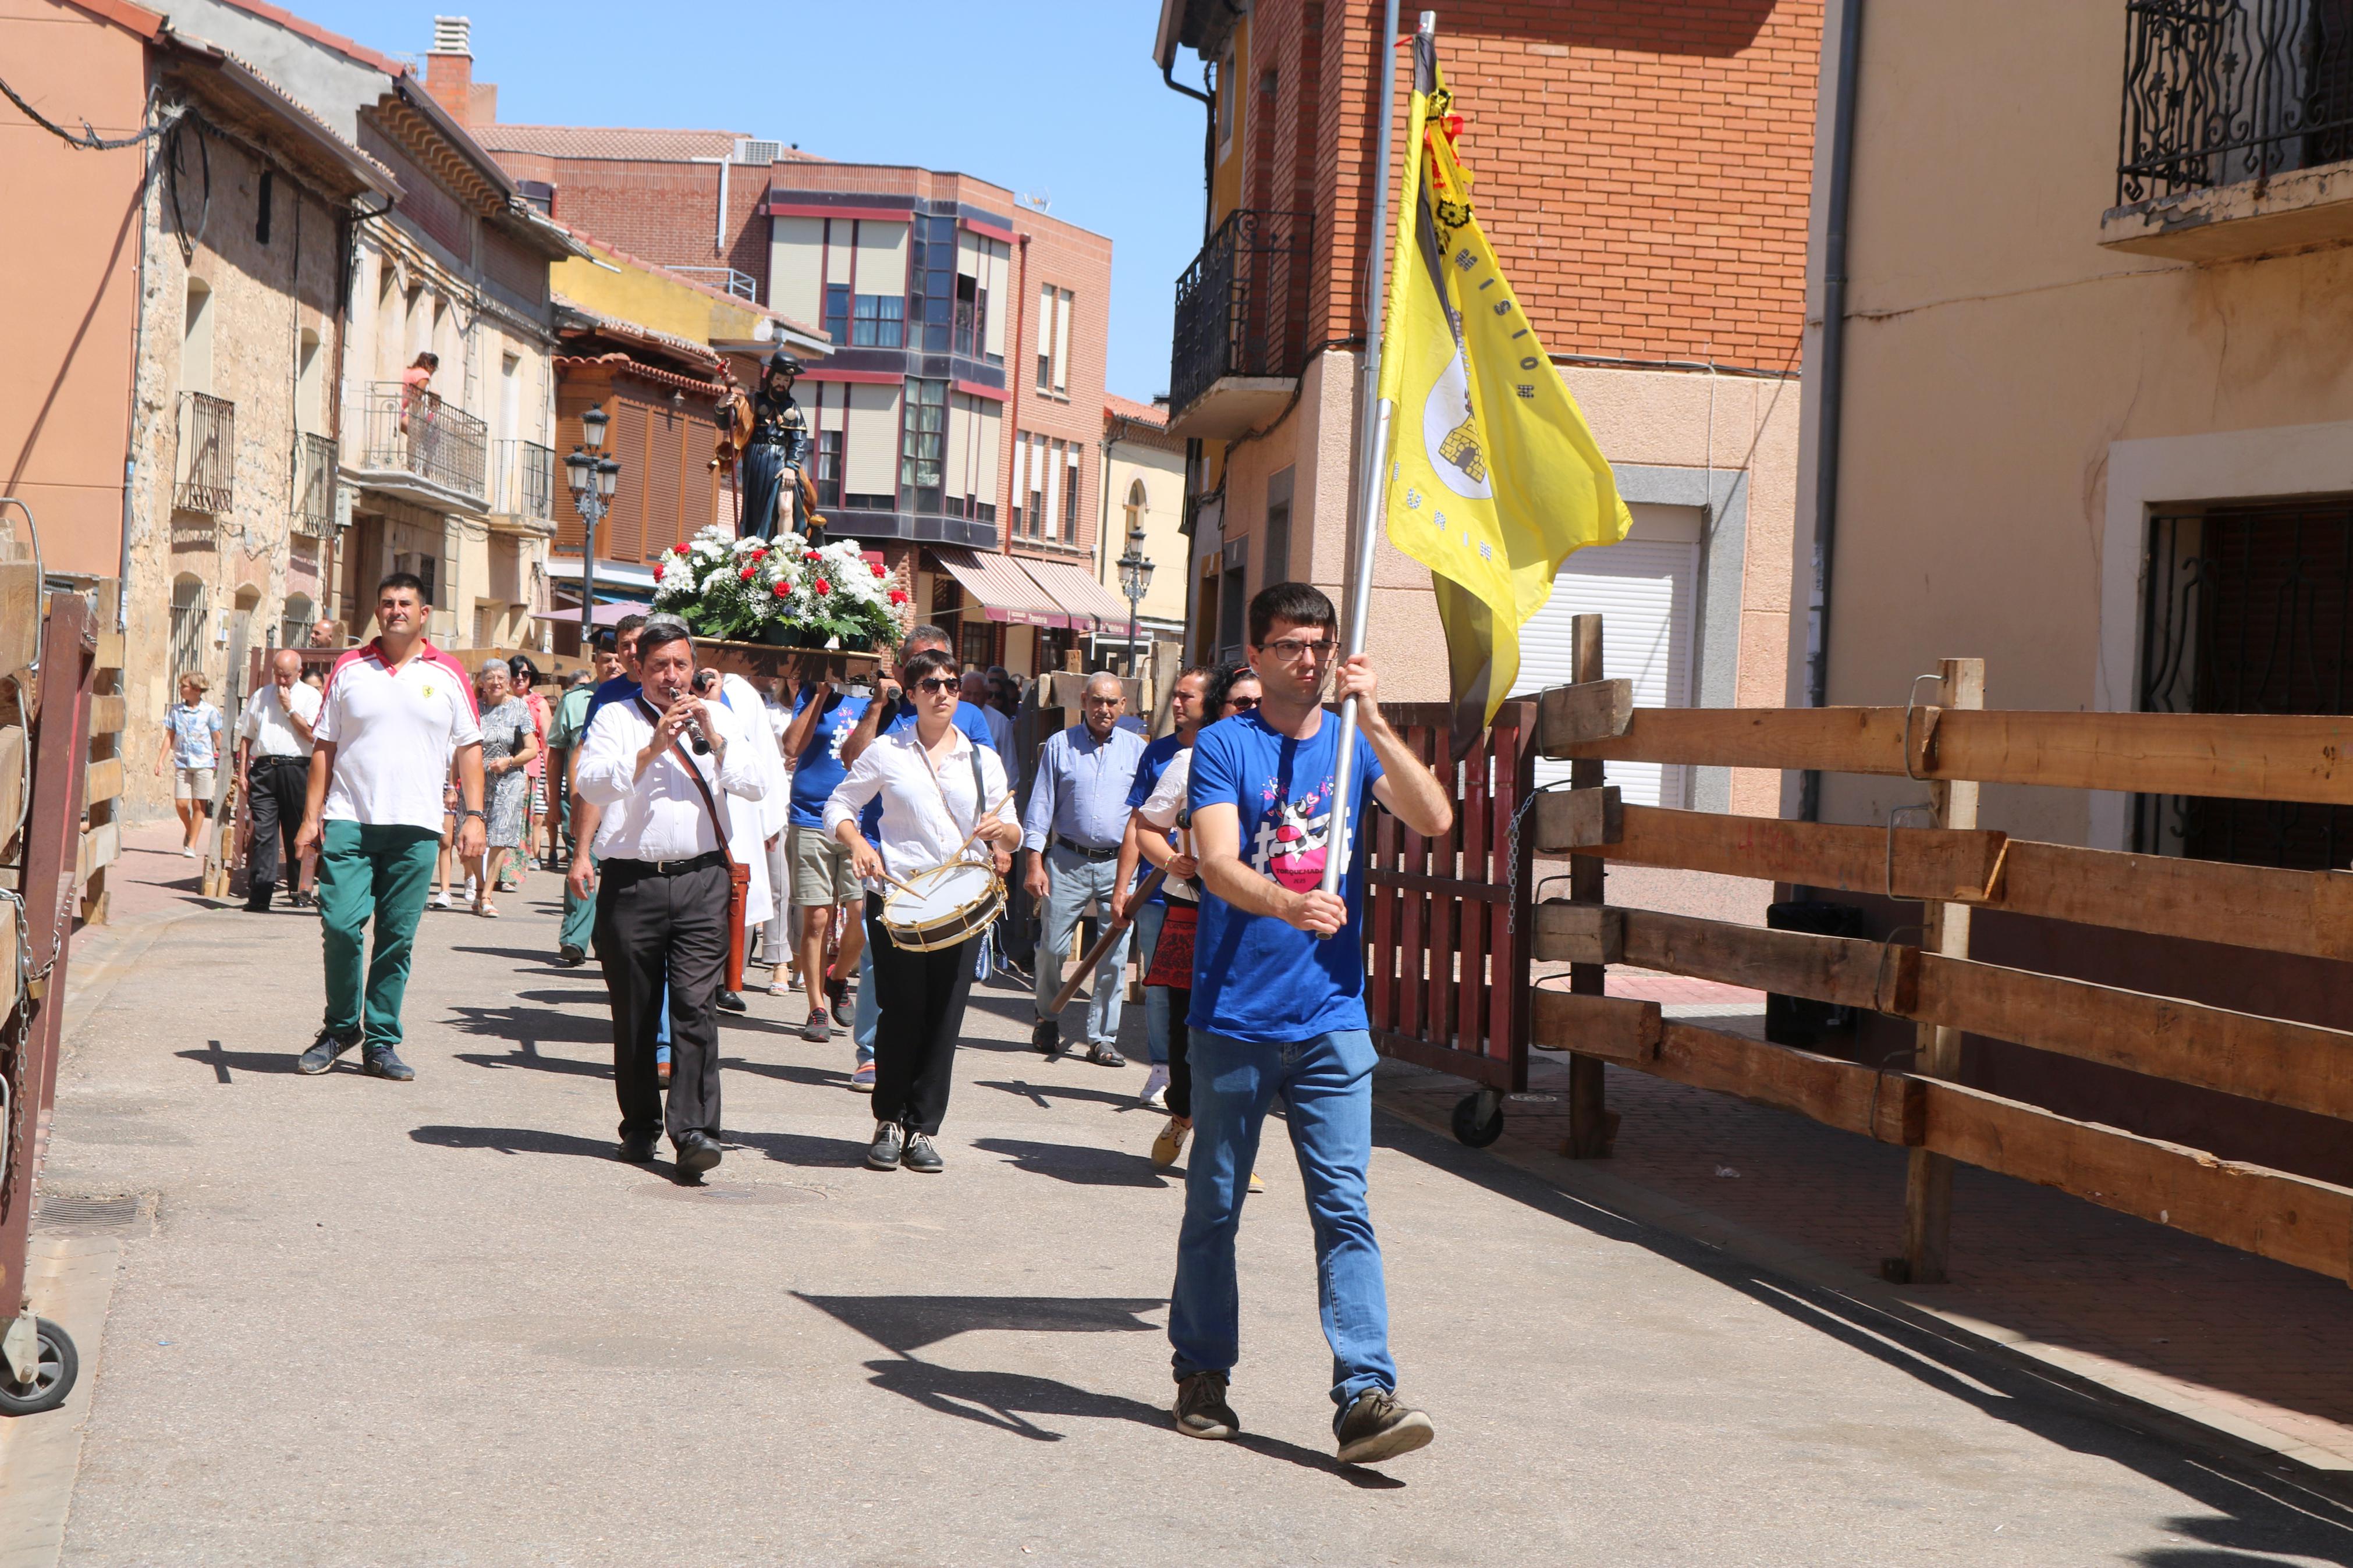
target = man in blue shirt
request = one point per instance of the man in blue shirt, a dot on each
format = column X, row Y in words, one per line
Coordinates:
column 822, row 879
column 1080, row 800
column 1186, row 696
column 580, row 882
column 1278, row 1009
column 888, row 714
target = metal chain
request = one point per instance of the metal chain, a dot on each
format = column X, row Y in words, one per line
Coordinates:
column 12, row 1095
column 1512, row 918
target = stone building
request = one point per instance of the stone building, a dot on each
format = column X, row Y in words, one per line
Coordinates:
column 1143, row 491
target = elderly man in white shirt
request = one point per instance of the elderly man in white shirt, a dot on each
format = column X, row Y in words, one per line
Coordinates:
column 662, row 767
column 944, row 798
column 273, row 775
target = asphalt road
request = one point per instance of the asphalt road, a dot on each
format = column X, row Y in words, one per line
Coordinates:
column 437, row 1324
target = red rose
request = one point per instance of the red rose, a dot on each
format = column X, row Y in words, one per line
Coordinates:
column 678, row 549
column 759, row 555
column 784, row 591
column 811, row 555
column 898, row 596
column 658, row 569
column 746, row 574
column 823, row 587
column 879, row 571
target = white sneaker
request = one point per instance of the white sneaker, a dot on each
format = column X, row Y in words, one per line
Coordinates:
column 439, row 900
column 187, row 852
column 1155, row 1089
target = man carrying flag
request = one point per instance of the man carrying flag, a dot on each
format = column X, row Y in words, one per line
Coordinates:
column 1493, row 476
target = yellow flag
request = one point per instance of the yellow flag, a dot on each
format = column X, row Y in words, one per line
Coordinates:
column 1494, row 477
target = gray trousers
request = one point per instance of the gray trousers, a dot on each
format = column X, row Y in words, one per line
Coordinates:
column 1072, row 882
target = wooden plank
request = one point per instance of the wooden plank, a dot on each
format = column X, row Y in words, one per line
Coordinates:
column 12, row 777
column 1438, row 887
column 1836, row 1092
column 1579, row 818
column 109, row 651
column 2292, row 1219
column 1846, row 971
column 11, row 938
column 101, row 846
column 2240, row 756
column 1936, row 1048
column 1569, row 932
column 1507, row 997
column 2306, row 913
column 1614, row 1028
column 103, row 782
column 1591, row 1127
column 1413, row 995
column 1589, row 710
column 109, row 715
column 1928, row 864
column 20, row 616
column 1470, row 993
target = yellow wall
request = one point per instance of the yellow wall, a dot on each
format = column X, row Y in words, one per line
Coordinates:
column 649, row 298
column 1226, row 182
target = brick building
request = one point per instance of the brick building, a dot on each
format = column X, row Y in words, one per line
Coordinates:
column 1643, row 173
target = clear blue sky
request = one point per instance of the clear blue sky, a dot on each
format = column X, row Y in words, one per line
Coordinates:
column 1054, row 96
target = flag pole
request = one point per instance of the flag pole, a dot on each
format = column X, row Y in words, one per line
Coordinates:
column 1371, row 493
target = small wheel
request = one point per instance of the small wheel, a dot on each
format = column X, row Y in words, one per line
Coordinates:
column 53, row 1378
column 1479, row 1118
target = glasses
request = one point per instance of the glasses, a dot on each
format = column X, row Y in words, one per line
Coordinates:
column 1291, row 650
column 1243, row 704
column 933, row 684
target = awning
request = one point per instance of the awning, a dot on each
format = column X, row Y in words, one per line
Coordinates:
column 999, row 587
column 1087, row 601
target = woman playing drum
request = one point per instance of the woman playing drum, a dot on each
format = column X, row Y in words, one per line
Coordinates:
column 944, row 800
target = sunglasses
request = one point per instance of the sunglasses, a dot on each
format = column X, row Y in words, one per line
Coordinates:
column 1243, row 703
column 932, row 685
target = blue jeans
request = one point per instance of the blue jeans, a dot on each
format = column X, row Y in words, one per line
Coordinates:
column 1328, row 1084
column 868, row 1016
column 1155, row 997
column 1074, row 879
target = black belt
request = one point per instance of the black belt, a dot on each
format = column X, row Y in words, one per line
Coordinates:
column 1083, row 852
column 664, row 868
column 269, row 759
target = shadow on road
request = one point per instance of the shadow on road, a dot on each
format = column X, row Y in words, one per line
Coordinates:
column 790, row 1072
column 800, row 1149
column 525, row 1057
column 1041, row 1092
column 515, row 1141
column 1076, row 1162
column 2275, row 1513
column 221, row 1061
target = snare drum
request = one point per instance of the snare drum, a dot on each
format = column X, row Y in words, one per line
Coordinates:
column 942, row 907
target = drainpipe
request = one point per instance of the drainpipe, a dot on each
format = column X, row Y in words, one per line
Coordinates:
column 719, row 223
column 1833, row 369
column 1208, row 137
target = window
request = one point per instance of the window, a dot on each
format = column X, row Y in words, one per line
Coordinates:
column 1225, row 101
column 930, row 280
column 197, row 338
column 978, row 643
column 310, row 412
column 188, row 617
column 425, row 573
column 856, row 503
column 836, row 312
column 1053, row 341
column 1135, row 504
column 827, row 476
column 294, row 624
column 971, row 317
column 878, row 321
column 1233, row 598
column 923, row 443
column 1275, row 562
column 1070, row 497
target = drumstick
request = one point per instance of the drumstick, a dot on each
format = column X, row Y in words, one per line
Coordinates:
column 1111, row 933
column 983, row 818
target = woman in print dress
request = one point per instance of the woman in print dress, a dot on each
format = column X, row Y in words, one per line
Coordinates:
column 510, row 741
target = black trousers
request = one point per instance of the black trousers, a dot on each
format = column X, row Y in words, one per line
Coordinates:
column 652, row 930
column 1180, row 1067
column 277, row 790
column 921, row 996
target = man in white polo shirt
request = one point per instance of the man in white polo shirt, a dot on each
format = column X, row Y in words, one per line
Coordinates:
column 394, row 714
column 273, row 762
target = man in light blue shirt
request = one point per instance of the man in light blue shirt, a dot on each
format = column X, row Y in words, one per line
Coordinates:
column 1080, row 800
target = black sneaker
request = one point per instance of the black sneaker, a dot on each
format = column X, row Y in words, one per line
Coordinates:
column 837, row 992
column 819, row 1027
column 380, row 1062
column 919, row 1154
column 1045, row 1035
column 1377, row 1427
column 639, row 1149
column 570, row 957
column 887, row 1145
column 1202, row 1408
column 733, row 1002
column 325, row 1050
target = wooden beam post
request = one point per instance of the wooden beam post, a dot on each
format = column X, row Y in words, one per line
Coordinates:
column 1591, row 1127
column 96, row 903
column 1929, row 1180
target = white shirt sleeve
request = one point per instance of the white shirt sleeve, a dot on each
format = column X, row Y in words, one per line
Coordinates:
column 609, row 757
column 860, row 784
column 741, row 773
column 304, row 702
column 1168, row 796
column 249, row 724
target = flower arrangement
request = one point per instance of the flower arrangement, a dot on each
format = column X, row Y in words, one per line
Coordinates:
column 778, row 590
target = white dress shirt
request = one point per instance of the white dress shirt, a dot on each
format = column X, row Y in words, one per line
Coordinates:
column 749, row 831
column 926, row 817
column 1160, row 809
column 264, row 722
column 661, row 816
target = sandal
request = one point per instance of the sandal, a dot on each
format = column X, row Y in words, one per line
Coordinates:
column 1105, row 1055
column 487, row 909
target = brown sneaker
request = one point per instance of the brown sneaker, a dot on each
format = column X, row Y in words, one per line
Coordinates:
column 1202, row 1408
column 1170, row 1143
column 1377, row 1427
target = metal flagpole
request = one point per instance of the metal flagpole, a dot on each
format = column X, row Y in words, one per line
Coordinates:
column 1371, row 493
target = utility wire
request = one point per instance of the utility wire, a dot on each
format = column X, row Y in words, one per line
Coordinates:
column 90, row 139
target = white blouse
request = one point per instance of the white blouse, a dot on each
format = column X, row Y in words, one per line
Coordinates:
column 926, row 817
column 1160, row 809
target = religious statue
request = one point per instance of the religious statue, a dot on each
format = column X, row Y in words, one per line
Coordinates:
column 768, row 435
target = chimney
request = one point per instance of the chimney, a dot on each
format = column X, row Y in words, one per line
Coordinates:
column 450, row 68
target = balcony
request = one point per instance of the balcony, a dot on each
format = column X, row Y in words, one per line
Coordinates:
column 422, row 449
column 207, row 476
column 2238, row 126
column 314, row 487
column 1241, row 325
column 522, row 488
column 742, row 285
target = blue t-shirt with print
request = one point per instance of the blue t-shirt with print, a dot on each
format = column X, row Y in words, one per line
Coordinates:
column 1256, row 978
column 1148, row 769
column 971, row 718
column 195, row 734
column 819, row 769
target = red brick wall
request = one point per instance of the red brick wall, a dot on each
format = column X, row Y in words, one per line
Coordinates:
column 1073, row 258
column 658, row 212
column 1644, row 169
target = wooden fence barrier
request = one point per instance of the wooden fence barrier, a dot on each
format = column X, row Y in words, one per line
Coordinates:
column 1958, row 867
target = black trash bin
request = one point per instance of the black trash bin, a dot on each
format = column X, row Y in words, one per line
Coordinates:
column 1800, row 1020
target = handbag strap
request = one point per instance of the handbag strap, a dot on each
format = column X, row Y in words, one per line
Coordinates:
column 701, row 786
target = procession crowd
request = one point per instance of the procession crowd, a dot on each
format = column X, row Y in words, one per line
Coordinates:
column 835, row 840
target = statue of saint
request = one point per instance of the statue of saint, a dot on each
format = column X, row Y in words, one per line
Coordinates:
column 774, row 458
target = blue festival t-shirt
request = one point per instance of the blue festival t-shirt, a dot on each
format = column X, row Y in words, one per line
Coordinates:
column 1257, row 978
column 820, row 769
column 970, row 717
column 1148, row 769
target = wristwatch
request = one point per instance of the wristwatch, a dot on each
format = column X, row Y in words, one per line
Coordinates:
column 476, row 814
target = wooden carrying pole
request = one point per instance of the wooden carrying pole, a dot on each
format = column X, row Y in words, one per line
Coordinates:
column 1111, row 932
column 1589, row 1110
column 1945, row 929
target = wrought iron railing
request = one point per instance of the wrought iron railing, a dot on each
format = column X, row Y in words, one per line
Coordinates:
column 314, row 487
column 523, row 481
column 207, row 478
column 431, row 439
column 2248, row 610
column 2218, row 92
column 742, row 285
column 1241, row 307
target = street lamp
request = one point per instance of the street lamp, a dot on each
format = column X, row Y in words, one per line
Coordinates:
column 1135, row 577
column 592, row 479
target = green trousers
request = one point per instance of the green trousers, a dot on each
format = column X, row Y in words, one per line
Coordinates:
column 579, row 914
column 366, row 872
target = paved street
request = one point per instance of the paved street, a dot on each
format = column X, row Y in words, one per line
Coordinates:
column 435, row 1323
